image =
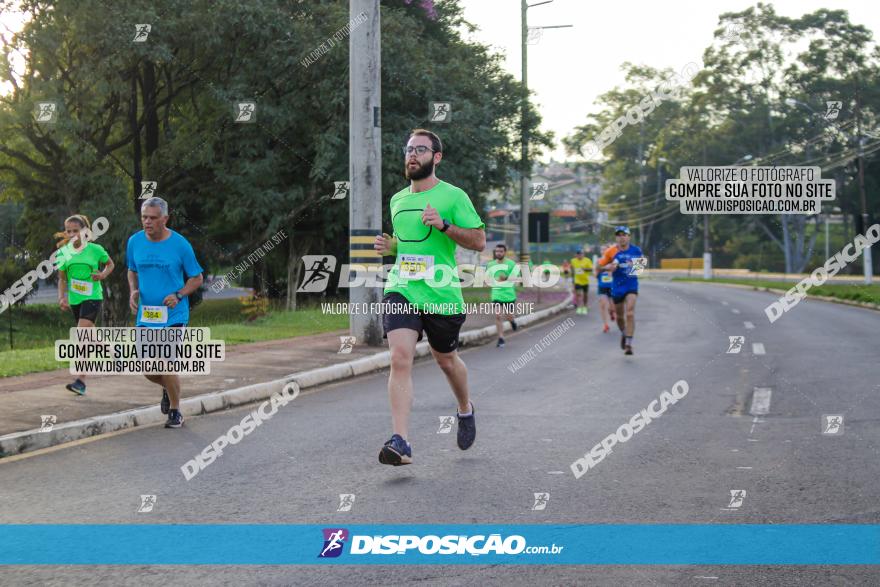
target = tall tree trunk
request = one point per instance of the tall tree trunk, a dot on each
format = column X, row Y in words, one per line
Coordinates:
column 137, row 173
column 151, row 116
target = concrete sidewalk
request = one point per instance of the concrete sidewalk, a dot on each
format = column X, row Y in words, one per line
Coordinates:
column 24, row 399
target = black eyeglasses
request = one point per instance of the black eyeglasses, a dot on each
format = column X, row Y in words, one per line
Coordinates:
column 419, row 150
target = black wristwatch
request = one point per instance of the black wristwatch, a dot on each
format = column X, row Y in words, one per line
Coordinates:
column 446, row 225
column 179, row 296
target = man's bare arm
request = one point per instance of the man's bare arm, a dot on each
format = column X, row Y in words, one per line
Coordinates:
column 470, row 238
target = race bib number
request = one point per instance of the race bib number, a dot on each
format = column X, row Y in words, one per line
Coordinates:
column 154, row 315
column 415, row 266
column 578, row 270
column 83, row 288
column 605, row 278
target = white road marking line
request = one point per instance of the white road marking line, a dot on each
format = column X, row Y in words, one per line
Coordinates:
column 749, row 325
column 723, row 303
column 555, row 473
column 758, row 348
column 754, row 421
column 760, row 401
column 734, row 310
column 705, row 577
column 745, row 468
column 753, row 440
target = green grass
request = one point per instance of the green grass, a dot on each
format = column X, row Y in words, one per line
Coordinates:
column 22, row 362
column 857, row 292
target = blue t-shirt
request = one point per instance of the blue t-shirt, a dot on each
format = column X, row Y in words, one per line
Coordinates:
column 163, row 268
column 624, row 278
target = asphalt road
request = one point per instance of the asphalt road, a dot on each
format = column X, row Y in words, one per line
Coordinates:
column 818, row 359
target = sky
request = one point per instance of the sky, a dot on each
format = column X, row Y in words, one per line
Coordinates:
column 570, row 67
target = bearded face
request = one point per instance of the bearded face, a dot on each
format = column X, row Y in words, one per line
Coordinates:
column 415, row 169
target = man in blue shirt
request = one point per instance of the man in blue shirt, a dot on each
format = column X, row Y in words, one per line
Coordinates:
column 162, row 273
column 625, row 262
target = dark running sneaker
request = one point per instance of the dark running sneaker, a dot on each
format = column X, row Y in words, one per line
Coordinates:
column 514, row 325
column 77, row 387
column 175, row 419
column 467, row 429
column 165, row 404
column 622, row 341
column 396, row 452
column 628, row 350
column 500, row 343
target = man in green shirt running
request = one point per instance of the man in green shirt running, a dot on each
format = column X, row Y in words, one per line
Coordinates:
column 502, row 272
column 423, row 292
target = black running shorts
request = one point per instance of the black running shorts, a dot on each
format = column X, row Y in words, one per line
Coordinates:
column 442, row 330
column 619, row 299
column 87, row 310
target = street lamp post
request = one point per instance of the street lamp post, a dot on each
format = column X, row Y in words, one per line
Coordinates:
column 524, row 147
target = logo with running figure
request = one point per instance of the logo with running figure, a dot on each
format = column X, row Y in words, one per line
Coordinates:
column 832, row 424
column 732, row 32
column 46, row 112
column 736, row 344
column 535, row 34
column 245, row 111
column 346, row 344
column 47, row 422
column 346, row 500
column 319, row 268
column 638, row 265
column 832, row 109
column 148, row 189
column 445, row 424
column 148, row 502
column 340, row 190
column 736, row 498
column 541, row 500
column 334, row 540
column 539, row 190
column 440, row 111
column 141, row 32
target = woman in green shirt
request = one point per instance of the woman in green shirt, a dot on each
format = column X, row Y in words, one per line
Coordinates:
column 79, row 280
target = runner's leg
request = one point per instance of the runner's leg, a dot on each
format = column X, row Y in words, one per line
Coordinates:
column 621, row 315
column 456, row 374
column 630, row 303
column 83, row 323
column 402, row 342
column 171, row 383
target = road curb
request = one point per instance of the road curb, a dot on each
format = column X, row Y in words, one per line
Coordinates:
column 31, row 440
column 865, row 305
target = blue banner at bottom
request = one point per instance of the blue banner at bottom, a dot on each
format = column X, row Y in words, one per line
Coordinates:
column 600, row 544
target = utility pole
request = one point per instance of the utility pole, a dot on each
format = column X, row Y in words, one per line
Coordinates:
column 524, row 147
column 365, row 164
column 641, row 183
column 707, row 248
column 867, row 260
